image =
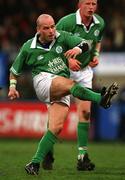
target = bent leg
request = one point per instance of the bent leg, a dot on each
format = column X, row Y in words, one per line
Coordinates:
column 61, row 87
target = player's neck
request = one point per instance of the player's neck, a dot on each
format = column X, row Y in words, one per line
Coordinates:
column 86, row 20
column 43, row 43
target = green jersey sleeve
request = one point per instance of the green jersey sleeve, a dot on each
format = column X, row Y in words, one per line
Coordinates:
column 19, row 62
column 102, row 27
column 71, row 40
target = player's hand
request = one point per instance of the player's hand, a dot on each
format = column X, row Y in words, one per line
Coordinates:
column 72, row 53
column 13, row 93
column 94, row 62
column 74, row 64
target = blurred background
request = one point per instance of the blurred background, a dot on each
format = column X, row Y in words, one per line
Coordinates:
column 27, row 117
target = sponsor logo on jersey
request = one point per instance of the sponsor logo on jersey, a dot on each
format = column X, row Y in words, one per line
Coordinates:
column 59, row 49
column 96, row 33
column 40, row 57
column 56, row 65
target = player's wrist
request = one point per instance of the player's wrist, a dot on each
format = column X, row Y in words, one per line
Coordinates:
column 13, row 83
column 79, row 49
column 83, row 46
column 96, row 53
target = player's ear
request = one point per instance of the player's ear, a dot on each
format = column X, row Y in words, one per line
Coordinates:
column 79, row 4
column 96, row 10
column 37, row 29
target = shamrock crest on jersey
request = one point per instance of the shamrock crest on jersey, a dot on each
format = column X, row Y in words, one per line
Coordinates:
column 96, row 33
column 59, row 49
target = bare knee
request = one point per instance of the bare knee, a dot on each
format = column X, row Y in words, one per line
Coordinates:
column 60, row 87
column 56, row 128
column 86, row 115
column 84, row 108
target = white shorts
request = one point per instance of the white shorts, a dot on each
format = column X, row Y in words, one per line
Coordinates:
column 83, row 77
column 42, row 83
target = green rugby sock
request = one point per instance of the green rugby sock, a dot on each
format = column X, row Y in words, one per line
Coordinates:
column 52, row 150
column 85, row 94
column 82, row 133
column 45, row 145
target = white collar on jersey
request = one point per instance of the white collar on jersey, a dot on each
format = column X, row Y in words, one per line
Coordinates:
column 79, row 20
column 34, row 44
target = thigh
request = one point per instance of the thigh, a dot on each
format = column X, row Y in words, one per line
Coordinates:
column 42, row 83
column 60, row 87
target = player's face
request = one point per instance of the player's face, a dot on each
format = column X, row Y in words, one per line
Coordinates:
column 47, row 30
column 88, row 7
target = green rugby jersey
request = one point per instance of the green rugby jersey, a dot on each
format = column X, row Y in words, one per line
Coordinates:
column 51, row 60
column 72, row 23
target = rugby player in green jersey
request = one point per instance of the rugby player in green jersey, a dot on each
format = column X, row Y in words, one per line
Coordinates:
column 46, row 54
column 87, row 24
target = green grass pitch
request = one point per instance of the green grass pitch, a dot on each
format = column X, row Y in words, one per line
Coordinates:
column 109, row 159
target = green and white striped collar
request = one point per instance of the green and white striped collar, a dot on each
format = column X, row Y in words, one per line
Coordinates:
column 34, row 41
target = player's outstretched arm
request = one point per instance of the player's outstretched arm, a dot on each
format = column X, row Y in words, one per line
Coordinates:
column 13, row 93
